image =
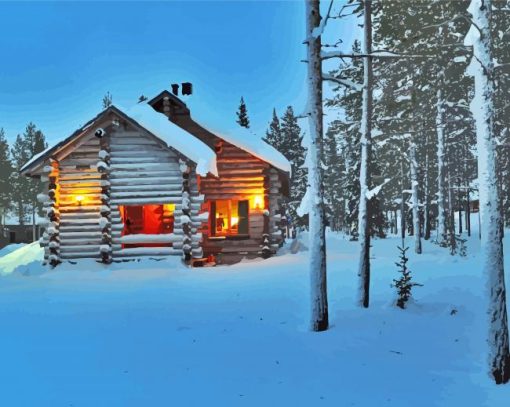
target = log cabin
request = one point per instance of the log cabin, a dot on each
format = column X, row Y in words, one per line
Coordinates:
column 151, row 181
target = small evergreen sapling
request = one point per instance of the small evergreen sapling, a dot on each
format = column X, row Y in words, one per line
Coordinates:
column 404, row 283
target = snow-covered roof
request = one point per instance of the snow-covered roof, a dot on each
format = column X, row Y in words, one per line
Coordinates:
column 160, row 127
column 248, row 141
column 36, row 157
column 181, row 140
column 175, row 137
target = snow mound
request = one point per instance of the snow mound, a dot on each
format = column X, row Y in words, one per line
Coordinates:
column 10, row 248
column 26, row 259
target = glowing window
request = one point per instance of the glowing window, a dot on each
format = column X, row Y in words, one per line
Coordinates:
column 229, row 218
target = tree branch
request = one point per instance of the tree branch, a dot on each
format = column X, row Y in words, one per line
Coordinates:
column 344, row 82
column 374, row 54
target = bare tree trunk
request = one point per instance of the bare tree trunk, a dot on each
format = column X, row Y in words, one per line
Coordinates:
column 34, row 230
column 21, row 213
column 451, row 219
column 402, row 204
column 426, row 211
column 414, row 189
column 366, row 145
column 460, row 212
column 441, row 204
column 468, row 213
column 395, row 215
column 319, row 317
column 482, row 107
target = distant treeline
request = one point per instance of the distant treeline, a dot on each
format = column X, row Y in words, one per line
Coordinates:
column 18, row 194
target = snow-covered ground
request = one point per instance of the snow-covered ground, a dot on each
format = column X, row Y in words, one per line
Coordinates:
column 154, row 333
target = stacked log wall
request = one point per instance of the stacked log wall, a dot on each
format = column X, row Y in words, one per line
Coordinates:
column 142, row 172
column 242, row 176
column 80, row 235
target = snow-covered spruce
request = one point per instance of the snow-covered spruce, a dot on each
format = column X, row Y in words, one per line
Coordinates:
column 404, row 283
column 482, row 107
column 286, row 136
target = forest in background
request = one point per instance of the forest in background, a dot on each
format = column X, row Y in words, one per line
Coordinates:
column 18, row 194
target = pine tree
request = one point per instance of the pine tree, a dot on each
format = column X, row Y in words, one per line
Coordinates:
column 36, row 143
column 274, row 134
column 20, row 184
column 404, row 283
column 5, row 177
column 348, row 129
column 333, row 165
column 294, row 151
column 285, row 135
column 242, row 115
column 445, row 135
column 25, row 189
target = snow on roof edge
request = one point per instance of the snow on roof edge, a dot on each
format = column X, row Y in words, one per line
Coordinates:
column 157, row 124
column 36, row 157
column 256, row 146
column 184, row 142
column 175, row 137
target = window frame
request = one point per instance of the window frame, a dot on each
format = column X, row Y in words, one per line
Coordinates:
column 228, row 235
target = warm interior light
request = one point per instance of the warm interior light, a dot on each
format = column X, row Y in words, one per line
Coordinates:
column 234, row 220
column 79, row 199
column 257, row 201
column 169, row 208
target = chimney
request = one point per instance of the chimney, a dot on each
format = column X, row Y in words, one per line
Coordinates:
column 175, row 89
column 187, row 88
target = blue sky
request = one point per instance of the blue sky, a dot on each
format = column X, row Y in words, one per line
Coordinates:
column 59, row 59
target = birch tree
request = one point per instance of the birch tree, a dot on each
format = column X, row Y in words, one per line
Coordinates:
column 482, row 107
column 317, row 244
column 414, row 194
column 366, row 145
